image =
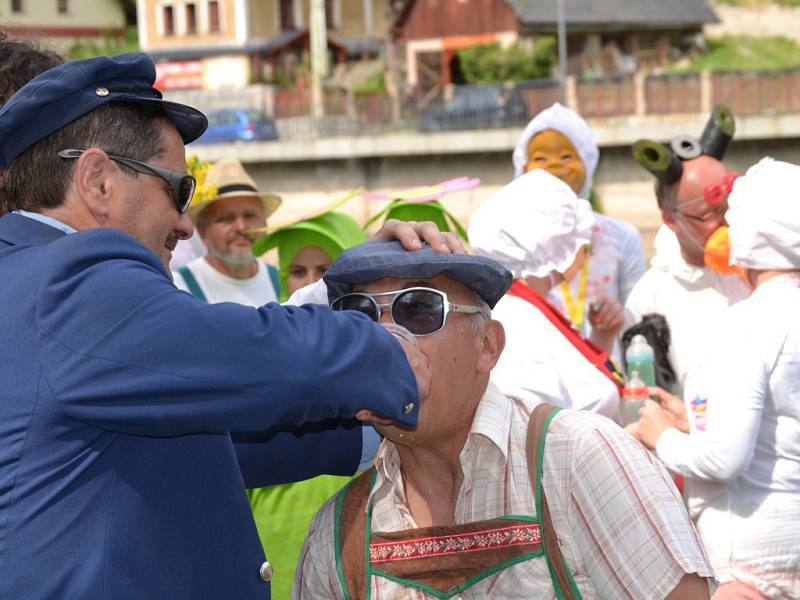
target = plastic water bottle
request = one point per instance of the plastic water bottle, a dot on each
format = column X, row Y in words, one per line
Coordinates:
column 639, row 358
column 634, row 395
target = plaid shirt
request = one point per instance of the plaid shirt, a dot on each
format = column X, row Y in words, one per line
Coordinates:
column 621, row 523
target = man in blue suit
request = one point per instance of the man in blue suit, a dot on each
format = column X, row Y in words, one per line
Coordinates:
column 119, row 477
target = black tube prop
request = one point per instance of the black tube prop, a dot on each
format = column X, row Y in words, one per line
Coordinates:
column 686, row 147
column 718, row 132
column 659, row 160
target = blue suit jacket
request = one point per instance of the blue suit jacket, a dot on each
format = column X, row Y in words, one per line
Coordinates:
column 118, row 475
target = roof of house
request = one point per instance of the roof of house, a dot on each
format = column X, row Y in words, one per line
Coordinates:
column 614, row 14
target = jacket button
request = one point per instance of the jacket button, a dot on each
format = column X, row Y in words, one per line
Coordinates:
column 266, row 571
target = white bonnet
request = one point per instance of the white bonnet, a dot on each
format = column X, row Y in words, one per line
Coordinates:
column 764, row 217
column 533, row 226
column 571, row 125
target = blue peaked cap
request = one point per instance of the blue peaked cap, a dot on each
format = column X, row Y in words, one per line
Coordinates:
column 64, row 93
column 374, row 260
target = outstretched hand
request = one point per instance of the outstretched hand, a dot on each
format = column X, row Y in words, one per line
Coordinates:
column 412, row 233
column 673, row 404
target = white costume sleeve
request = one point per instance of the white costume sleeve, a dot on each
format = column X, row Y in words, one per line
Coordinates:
column 631, row 258
column 733, row 389
column 314, row 293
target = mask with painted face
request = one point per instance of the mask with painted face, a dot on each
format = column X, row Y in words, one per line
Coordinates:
column 553, row 151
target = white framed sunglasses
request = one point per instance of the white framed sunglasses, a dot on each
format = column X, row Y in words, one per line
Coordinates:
column 421, row 310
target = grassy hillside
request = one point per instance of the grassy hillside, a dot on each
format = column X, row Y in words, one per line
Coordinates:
column 736, row 52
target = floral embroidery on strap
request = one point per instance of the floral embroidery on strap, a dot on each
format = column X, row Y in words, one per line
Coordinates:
column 501, row 537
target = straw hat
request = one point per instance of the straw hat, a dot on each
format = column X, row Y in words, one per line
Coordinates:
column 230, row 180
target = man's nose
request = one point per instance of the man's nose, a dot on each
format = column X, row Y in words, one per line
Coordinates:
column 386, row 315
column 184, row 229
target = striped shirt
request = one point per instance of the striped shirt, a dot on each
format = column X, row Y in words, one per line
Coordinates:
column 621, row 523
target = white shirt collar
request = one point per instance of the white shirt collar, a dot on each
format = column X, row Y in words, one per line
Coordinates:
column 52, row 222
column 493, row 418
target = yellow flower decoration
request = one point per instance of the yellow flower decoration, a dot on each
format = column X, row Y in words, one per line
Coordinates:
column 199, row 169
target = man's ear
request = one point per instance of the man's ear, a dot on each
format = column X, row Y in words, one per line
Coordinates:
column 96, row 181
column 668, row 217
column 494, row 340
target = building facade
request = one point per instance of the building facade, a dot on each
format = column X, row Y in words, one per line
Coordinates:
column 60, row 23
column 604, row 37
column 214, row 44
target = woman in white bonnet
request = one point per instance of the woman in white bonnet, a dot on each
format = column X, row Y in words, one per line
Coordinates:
column 736, row 435
column 540, row 230
column 561, row 142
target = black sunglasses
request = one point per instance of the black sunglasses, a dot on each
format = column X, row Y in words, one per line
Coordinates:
column 181, row 185
column 421, row 310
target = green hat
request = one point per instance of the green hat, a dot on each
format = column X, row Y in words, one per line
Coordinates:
column 421, row 203
column 432, row 210
column 332, row 232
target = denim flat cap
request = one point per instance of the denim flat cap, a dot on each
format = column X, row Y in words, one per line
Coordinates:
column 64, row 93
column 375, row 260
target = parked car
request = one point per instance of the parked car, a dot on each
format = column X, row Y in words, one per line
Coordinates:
column 230, row 125
column 476, row 107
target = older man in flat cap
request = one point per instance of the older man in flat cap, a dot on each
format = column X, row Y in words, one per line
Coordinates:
column 118, row 475
column 489, row 496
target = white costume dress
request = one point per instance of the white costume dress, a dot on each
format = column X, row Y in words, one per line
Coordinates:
column 691, row 298
column 742, row 458
column 540, row 364
column 742, row 455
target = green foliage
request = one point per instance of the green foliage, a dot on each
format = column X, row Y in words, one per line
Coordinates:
column 738, row 52
column 376, row 83
column 489, row 63
column 280, row 78
column 109, row 44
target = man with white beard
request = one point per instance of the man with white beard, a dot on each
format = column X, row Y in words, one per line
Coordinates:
column 229, row 272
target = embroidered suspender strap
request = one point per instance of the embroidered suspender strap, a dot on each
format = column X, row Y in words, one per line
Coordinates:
column 563, row 583
column 192, row 284
column 276, row 282
column 350, row 534
column 444, row 561
column 591, row 352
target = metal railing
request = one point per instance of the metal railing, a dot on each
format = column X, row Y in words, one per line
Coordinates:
column 499, row 106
